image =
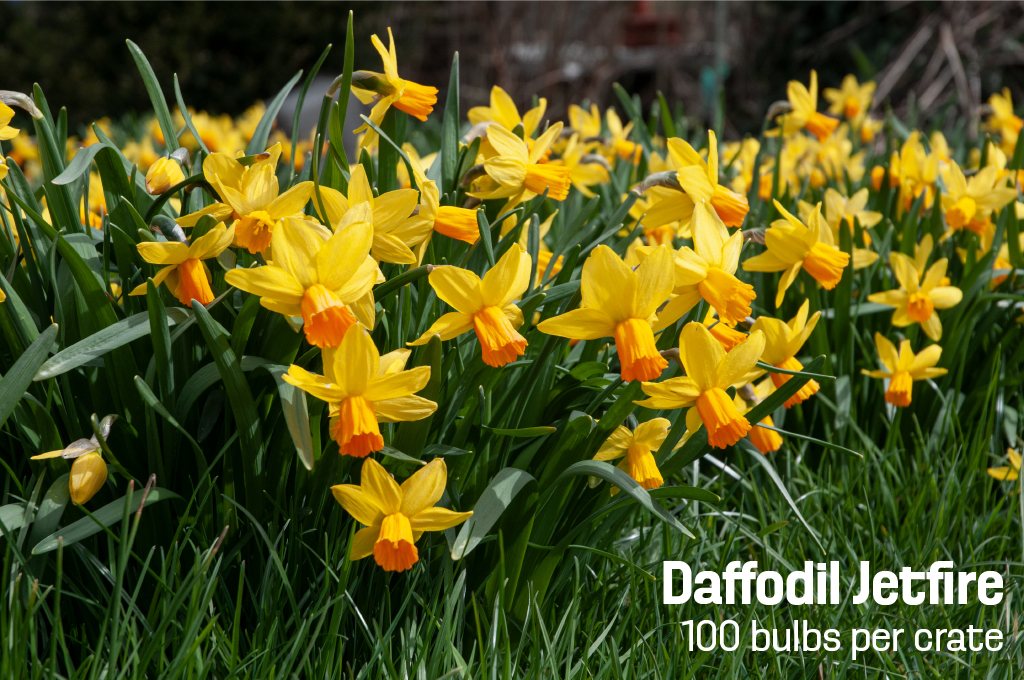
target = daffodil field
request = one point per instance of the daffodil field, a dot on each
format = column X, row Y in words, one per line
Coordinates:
column 441, row 408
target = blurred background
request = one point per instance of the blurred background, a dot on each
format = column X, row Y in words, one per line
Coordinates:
column 730, row 59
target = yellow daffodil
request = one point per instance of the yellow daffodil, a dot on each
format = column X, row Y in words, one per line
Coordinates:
column 637, row 447
column 971, row 202
column 88, row 471
column 747, row 398
column 517, row 172
column 841, row 212
column 6, row 131
column 324, row 279
column 582, row 173
column 903, row 368
column 1003, row 120
column 163, row 175
column 782, row 342
column 917, row 173
column 503, row 111
column 387, row 89
column 917, row 298
column 710, row 370
column 186, row 275
column 621, row 303
column 805, row 111
column 251, row 195
column 484, row 305
column 708, row 271
column 699, row 179
column 793, row 245
column 364, row 389
column 1008, row 473
column 852, row 100
column 619, row 143
column 585, row 123
column 395, row 228
column 396, row 516
column 452, row 221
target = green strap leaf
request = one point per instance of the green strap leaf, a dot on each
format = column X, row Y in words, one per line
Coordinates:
column 610, row 473
column 488, row 510
column 17, row 380
column 96, row 345
column 156, row 96
column 104, row 517
column 450, row 132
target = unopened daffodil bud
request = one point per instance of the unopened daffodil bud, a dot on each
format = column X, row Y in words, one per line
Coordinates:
column 88, row 473
column 163, row 175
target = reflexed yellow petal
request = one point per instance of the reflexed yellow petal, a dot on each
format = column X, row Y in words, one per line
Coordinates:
column 671, row 393
column 701, row 354
column 219, row 211
column 507, row 144
column 358, row 503
column 616, row 444
column 424, row 488
column 390, row 208
column 694, row 180
column 448, row 326
column 388, row 248
column 508, row 279
column 932, row 327
column 272, row 282
column 460, row 288
column 295, row 245
column 316, row 385
column 363, row 542
column 926, row 358
column 438, row 519
column 655, row 278
column 541, row 144
column 402, row 409
column 677, row 307
column 652, row 432
column 785, row 281
column 581, row 324
column 359, row 190
column 335, row 204
column 740, row 360
column 380, row 488
column 49, row 454
column 163, row 253
column 212, row 243
column 224, row 168
column 356, row 361
column 343, row 254
column 608, row 284
column 506, row 171
column 291, row 201
column 399, row 384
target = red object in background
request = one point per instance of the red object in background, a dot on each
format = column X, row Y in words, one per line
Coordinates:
column 644, row 28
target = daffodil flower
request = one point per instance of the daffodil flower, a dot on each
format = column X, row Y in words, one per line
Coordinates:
column 699, row 179
column 586, row 123
column 971, row 202
column 1008, row 473
column 904, row 367
column 88, row 472
column 917, row 173
column 503, row 112
column 186, row 275
column 364, row 389
column 517, row 171
column 325, row 279
column 387, row 89
column 782, row 341
column 852, row 100
column 916, row 302
column 396, row 516
column 163, row 175
column 793, row 245
column 395, row 228
column 747, row 398
column 805, row 111
column 840, row 210
column 636, row 450
column 708, row 271
column 484, row 305
column 1002, row 121
column 582, row 174
column 619, row 143
column 451, row 221
column 709, row 372
column 621, row 303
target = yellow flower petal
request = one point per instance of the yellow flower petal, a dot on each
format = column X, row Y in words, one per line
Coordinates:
column 358, row 503
column 380, row 488
column 460, row 288
column 424, row 488
column 581, row 324
column 701, row 354
column 438, row 519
